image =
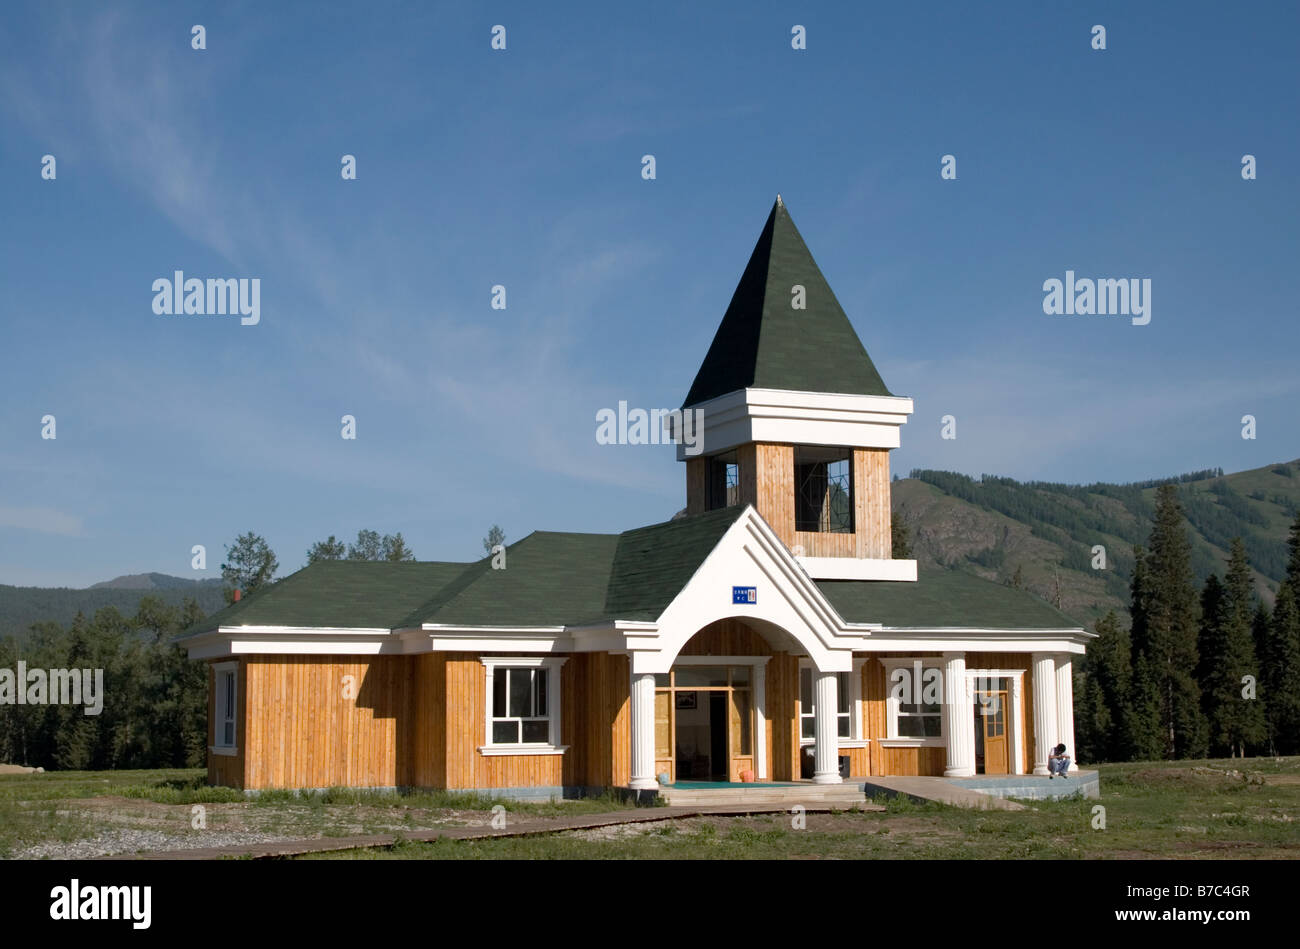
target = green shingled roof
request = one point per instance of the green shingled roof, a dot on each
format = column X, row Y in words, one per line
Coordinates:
column 939, row 598
column 339, row 593
column 763, row 342
column 550, row 579
column 563, row 579
column 654, row 563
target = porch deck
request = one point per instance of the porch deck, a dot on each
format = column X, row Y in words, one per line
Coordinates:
column 763, row 792
column 985, row 792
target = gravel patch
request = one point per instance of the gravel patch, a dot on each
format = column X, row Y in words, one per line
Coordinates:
column 137, row 841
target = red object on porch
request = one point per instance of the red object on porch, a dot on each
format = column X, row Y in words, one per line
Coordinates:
column 747, row 777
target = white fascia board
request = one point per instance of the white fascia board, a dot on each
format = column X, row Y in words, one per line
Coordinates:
column 543, row 644
column 805, row 418
column 896, row 639
column 289, row 640
column 597, row 637
column 858, row 568
column 438, row 637
column 305, row 630
column 441, row 629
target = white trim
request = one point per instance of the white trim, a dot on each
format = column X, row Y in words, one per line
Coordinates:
column 489, row 751
column 1015, row 733
column 721, row 661
column 972, row 639
column 891, row 703
column 856, row 705
column 858, row 568
column 788, row 602
column 554, row 703
column 219, row 720
column 760, row 717
column 796, row 418
column 912, row 742
column 758, row 696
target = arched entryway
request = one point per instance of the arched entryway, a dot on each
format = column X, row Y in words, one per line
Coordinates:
column 726, row 708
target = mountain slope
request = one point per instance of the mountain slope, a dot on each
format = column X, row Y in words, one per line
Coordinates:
column 20, row 607
column 994, row 526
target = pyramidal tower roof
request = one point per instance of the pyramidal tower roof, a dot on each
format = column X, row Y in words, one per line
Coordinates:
column 764, row 342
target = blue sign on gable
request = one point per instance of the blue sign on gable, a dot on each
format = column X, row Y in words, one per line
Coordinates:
column 748, row 595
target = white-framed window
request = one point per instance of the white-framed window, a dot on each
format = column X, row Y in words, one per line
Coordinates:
column 848, row 692
column 523, row 705
column 914, row 704
column 226, row 707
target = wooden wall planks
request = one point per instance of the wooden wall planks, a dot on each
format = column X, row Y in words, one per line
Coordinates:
column 766, row 473
column 727, row 637
column 418, row 721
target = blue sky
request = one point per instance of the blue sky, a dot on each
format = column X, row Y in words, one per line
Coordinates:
column 522, row 168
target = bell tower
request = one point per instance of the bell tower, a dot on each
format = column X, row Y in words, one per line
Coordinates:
column 795, row 418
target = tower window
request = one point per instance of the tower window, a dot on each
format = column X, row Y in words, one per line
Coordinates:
column 724, row 481
column 823, row 479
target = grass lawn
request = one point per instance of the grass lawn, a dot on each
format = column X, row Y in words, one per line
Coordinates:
column 70, row 806
column 1184, row 810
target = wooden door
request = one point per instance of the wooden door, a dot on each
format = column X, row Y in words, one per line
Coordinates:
column 993, row 722
column 740, row 732
column 664, row 736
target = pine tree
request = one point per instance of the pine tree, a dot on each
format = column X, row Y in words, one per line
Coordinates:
column 1227, row 655
column 900, row 537
column 1147, row 738
column 1172, row 627
column 1282, row 683
column 1137, row 609
column 1293, row 561
column 1106, row 713
column 1260, row 626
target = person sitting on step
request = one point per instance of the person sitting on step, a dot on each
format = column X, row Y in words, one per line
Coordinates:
column 1058, row 762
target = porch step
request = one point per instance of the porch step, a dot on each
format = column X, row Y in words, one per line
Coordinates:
column 790, row 795
column 944, row 790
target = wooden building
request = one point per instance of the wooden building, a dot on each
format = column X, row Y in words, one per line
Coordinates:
column 765, row 635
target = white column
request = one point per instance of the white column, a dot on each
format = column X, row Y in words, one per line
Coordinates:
column 643, row 732
column 958, row 717
column 1065, row 707
column 826, row 750
column 1044, row 709
column 1017, row 733
column 760, row 721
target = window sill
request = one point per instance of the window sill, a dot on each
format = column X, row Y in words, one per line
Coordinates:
column 492, row 750
column 912, row 743
column 224, row 751
column 843, row 742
